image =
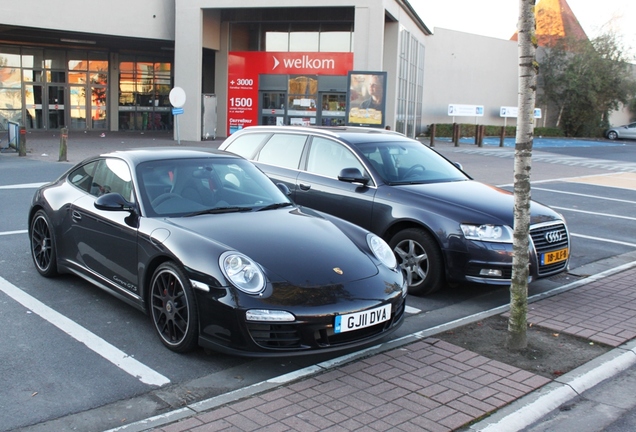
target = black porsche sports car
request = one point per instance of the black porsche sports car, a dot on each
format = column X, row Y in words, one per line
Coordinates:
column 216, row 254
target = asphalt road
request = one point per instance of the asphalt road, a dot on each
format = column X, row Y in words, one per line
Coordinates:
column 72, row 355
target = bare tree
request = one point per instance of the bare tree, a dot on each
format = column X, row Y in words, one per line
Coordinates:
column 528, row 70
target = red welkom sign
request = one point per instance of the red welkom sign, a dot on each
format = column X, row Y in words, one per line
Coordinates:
column 244, row 68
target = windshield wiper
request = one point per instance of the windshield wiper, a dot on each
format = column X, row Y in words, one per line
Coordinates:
column 218, row 210
column 275, row 206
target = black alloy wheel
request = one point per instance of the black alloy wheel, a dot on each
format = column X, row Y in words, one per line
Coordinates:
column 420, row 259
column 43, row 245
column 173, row 310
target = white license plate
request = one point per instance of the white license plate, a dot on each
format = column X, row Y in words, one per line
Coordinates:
column 358, row 320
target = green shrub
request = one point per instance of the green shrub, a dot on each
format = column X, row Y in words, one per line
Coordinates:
column 445, row 130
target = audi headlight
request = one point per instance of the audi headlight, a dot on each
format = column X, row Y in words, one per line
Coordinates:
column 490, row 233
column 244, row 273
column 382, row 251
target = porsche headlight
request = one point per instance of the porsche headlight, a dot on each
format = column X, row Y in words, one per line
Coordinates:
column 244, row 273
column 490, row 233
column 382, row 251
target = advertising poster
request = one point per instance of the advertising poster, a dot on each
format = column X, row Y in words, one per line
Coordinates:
column 365, row 102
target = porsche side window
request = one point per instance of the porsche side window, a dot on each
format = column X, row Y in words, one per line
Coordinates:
column 328, row 158
column 82, row 177
column 112, row 175
column 283, row 150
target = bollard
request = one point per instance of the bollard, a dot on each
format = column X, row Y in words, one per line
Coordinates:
column 456, row 133
column 433, row 130
column 63, row 144
column 482, row 132
column 22, row 142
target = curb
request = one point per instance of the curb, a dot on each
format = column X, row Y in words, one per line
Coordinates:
column 529, row 409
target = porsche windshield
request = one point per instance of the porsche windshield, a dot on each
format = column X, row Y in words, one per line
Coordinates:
column 181, row 187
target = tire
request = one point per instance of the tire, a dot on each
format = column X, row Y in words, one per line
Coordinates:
column 43, row 245
column 173, row 309
column 612, row 135
column 420, row 259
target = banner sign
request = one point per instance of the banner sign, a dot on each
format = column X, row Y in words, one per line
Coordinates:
column 245, row 67
column 457, row 110
column 514, row 111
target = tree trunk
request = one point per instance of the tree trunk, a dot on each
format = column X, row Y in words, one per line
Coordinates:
column 528, row 69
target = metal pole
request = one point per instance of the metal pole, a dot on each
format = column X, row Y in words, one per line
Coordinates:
column 178, row 136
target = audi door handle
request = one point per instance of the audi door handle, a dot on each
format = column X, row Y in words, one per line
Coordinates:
column 77, row 216
column 304, row 187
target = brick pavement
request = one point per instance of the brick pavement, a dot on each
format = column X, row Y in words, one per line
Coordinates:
column 428, row 385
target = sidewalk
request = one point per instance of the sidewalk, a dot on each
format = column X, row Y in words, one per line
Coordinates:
column 423, row 383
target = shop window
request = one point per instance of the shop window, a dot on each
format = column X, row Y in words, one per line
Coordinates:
column 9, row 57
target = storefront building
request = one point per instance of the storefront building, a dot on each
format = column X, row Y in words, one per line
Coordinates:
column 262, row 61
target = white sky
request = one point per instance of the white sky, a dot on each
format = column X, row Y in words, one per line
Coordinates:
column 498, row 18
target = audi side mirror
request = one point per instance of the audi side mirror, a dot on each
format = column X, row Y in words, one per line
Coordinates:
column 352, row 175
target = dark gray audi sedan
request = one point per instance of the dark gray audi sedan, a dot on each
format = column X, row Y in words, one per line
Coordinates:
column 442, row 225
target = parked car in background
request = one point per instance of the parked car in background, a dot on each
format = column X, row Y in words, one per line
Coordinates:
column 216, row 254
column 625, row 131
column 442, row 225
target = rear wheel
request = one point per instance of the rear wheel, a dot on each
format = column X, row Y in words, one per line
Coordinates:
column 43, row 245
column 173, row 310
column 420, row 259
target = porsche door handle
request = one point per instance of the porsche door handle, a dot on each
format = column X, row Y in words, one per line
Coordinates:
column 77, row 216
column 304, row 187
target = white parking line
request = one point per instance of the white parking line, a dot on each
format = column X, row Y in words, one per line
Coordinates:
column 13, row 232
column 412, row 310
column 23, row 186
column 585, row 195
column 603, row 240
column 79, row 333
column 594, row 213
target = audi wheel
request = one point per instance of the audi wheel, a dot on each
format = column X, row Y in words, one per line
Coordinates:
column 420, row 259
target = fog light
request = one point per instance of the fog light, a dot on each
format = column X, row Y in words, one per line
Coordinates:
column 268, row 315
column 491, row 272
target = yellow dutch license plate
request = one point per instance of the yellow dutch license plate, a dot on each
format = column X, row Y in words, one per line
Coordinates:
column 554, row 256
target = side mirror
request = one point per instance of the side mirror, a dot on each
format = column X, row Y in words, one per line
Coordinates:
column 352, row 175
column 113, row 202
column 283, row 188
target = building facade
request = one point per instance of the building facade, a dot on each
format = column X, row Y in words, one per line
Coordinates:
column 261, row 61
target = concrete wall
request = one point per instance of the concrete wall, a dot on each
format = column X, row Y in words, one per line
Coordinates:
column 151, row 19
column 463, row 68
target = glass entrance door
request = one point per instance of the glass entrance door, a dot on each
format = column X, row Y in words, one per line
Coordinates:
column 272, row 108
column 45, row 106
column 56, row 108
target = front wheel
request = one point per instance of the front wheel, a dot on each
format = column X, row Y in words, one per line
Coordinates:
column 43, row 245
column 612, row 135
column 173, row 309
column 420, row 259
